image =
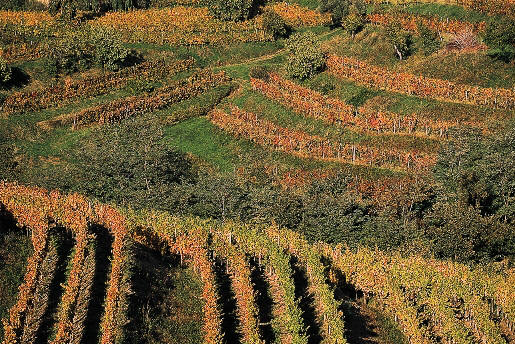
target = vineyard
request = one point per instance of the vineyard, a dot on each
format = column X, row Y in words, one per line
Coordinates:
column 427, row 299
column 257, row 172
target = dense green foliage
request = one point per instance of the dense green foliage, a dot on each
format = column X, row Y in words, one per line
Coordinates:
column 500, row 38
column 353, row 22
column 274, row 24
column 5, row 73
column 129, row 164
column 235, row 10
column 80, row 50
column 305, row 55
column 400, row 39
column 429, row 40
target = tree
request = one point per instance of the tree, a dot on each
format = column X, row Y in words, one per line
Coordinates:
column 235, row 10
column 354, row 21
column 110, row 53
column 305, row 55
column 480, row 172
column 5, row 72
column 500, row 38
column 339, row 9
column 130, row 164
column 429, row 40
column 274, row 24
column 400, row 39
column 69, row 54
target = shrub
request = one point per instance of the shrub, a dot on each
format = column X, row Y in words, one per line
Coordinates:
column 354, row 21
column 463, row 40
column 69, row 54
column 339, row 9
column 5, row 72
column 500, row 38
column 235, row 10
column 110, row 53
column 260, row 72
column 429, row 40
column 306, row 57
column 400, row 39
column 274, row 24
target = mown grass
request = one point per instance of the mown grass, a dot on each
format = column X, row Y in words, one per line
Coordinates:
column 255, row 102
column 212, row 56
column 358, row 95
column 473, row 68
column 199, row 137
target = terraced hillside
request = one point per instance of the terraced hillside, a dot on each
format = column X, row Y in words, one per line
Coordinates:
column 315, row 291
column 172, row 173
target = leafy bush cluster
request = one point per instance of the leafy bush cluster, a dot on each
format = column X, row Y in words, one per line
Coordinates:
column 305, row 55
column 19, row 5
column 274, row 24
column 500, row 38
column 235, row 10
column 5, row 73
column 401, row 40
column 80, row 50
column 347, row 13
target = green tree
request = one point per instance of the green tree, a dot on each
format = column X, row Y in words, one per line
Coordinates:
column 69, row 54
column 235, row 10
column 354, row 21
column 339, row 9
column 5, row 72
column 400, row 39
column 130, row 164
column 305, row 55
column 429, row 40
column 500, row 38
column 109, row 52
column 274, row 24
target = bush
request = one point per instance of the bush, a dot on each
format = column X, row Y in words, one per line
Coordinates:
column 500, row 38
column 274, row 24
column 429, row 40
column 354, row 21
column 400, row 39
column 110, row 53
column 235, row 10
column 260, row 72
column 69, row 54
column 339, row 9
column 306, row 57
column 22, row 5
column 5, row 72
column 130, row 163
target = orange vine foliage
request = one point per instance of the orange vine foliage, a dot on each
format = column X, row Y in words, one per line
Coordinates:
column 76, row 212
column 36, row 208
column 503, row 7
column 409, row 22
column 298, row 16
column 61, row 94
column 25, row 18
column 31, row 208
column 299, row 143
column 118, row 289
column 310, row 103
column 180, row 26
column 187, row 239
column 121, row 109
column 382, row 78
